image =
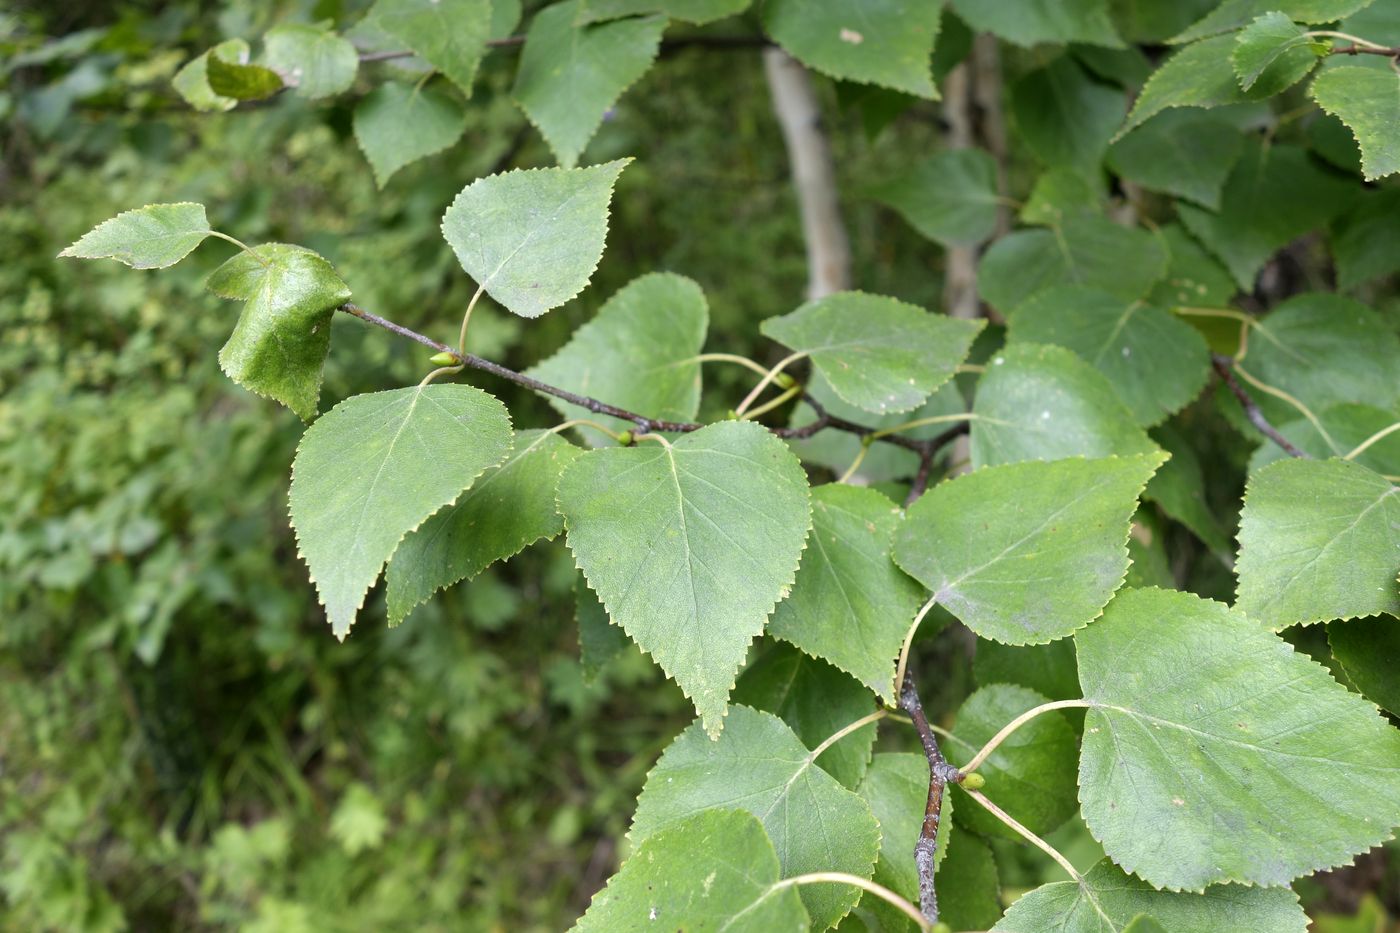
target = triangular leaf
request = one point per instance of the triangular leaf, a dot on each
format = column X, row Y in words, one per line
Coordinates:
column 1082, row 249
column 877, row 353
column 1155, row 362
column 1199, row 75
column 1065, row 117
column 1319, row 540
column 509, row 507
column 1031, row 774
column 1324, row 350
column 884, row 42
column 1368, row 102
column 1274, row 194
column 374, row 468
column 396, row 125
column 532, row 238
column 278, row 349
column 571, row 74
column 690, row 545
column 1039, row 402
column 316, row 62
column 1110, row 901
column 815, row 700
column 1213, row 752
column 239, row 81
column 850, row 605
column 639, row 353
column 759, row 765
column 950, row 197
column 1029, row 22
column 711, row 872
column 192, row 80
column 1180, row 152
column 152, row 237
column 1028, row 552
column 450, row 35
column 1369, row 653
column 1272, row 54
column 1232, row 14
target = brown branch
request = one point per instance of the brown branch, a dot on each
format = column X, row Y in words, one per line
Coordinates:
column 940, row 775
column 824, row 420
column 1224, row 366
column 1392, row 52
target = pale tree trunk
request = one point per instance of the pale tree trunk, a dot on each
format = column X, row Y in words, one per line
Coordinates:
column 813, row 175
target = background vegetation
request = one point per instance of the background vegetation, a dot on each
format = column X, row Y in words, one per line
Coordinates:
column 182, row 745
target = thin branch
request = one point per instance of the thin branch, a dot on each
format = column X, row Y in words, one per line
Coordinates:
column 1224, row 366
column 645, row 425
column 940, row 773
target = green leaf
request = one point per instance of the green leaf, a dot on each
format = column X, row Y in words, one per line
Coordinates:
column 1060, row 193
column 950, row 197
column 1272, row 54
column 532, row 237
column 570, row 75
column 697, row 12
column 192, row 81
column 1109, row 901
column 815, row 700
column 239, row 81
column 509, row 508
column 377, row 466
column 1323, row 350
column 690, row 545
column 1194, row 277
column 896, row 788
column 1369, row 652
column 278, row 349
column 1031, row 775
column 1082, row 250
column 1066, row 117
column 884, row 42
column 1179, row 488
column 1028, row 552
column 1348, row 426
column 358, row 822
column 1044, row 403
column 1213, row 752
column 396, row 125
column 759, row 765
column 1363, row 239
column 877, row 353
column 599, row 641
column 638, row 352
column 450, row 35
column 1144, row 924
column 1155, row 362
column 1319, row 540
column 1030, row 22
column 1232, row 14
column 1199, row 75
column 1048, row 669
column 969, row 891
column 715, row 871
column 1368, row 102
column 152, row 237
column 1274, row 195
column 850, row 605
column 1181, row 153
column 316, row 62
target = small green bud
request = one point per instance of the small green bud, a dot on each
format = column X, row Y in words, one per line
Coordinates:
column 973, row 781
column 444, row 359
column 731, row 415
column 940, row 927
column 625, row 439
column 784, row 381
